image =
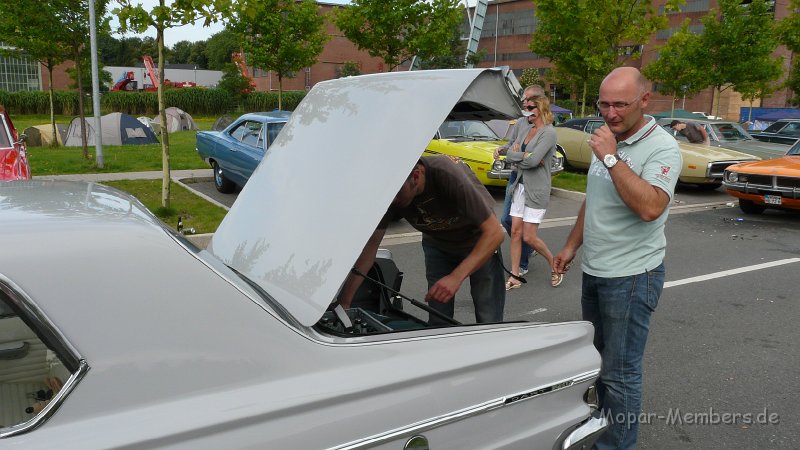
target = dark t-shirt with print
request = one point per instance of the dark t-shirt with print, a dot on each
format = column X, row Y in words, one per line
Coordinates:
column 452, row 207
column 693, row 133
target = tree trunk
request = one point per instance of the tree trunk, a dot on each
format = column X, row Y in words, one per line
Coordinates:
column 163, row 116
column 52, row 105
column 280, row 92
column 81, row 112
column 672, row 113
column 583, row 98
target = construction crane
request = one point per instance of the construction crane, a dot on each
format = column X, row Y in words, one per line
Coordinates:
column 148, row 64
column 476, row 28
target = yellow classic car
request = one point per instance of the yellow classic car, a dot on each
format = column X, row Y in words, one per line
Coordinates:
column 474, row 142
column 773, row 183
column 702, row 165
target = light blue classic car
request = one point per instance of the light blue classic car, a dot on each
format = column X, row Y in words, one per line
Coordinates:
column 235, row 152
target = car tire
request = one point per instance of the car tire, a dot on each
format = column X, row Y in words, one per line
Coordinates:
column 750, row 207
column 221, row 182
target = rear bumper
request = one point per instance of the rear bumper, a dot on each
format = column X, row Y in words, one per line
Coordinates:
column 585, row 435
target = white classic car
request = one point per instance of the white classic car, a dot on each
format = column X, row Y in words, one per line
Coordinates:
column 115, row 332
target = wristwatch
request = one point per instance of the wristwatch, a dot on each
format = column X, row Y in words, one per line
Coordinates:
column 610, row 160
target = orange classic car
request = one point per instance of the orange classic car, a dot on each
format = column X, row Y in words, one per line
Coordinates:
column 773, row 183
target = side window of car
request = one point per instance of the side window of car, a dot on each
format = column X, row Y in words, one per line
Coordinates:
column 775, row 127
column 37, row 367
column 792, row 129
column 252, row 133
column 272, row 131
column 5, row 133
column 593, row 125
column 238, row 132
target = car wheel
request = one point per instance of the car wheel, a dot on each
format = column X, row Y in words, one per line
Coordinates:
column 221, row 182
column 750, row 207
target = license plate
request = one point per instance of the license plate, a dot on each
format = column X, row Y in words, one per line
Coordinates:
column 772, row 199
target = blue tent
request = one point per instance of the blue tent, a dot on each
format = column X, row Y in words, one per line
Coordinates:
column 555, row 109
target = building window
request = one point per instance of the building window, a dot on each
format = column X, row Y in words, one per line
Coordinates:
column 19, row 74
column 689, row 7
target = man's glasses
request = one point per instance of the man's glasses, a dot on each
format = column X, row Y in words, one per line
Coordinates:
column 618, row 106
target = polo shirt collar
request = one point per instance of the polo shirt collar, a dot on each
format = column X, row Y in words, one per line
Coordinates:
column 649, row 125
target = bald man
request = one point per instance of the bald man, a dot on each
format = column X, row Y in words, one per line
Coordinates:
column 630, row 184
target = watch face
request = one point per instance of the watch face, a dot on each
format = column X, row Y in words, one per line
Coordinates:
column 609, row 160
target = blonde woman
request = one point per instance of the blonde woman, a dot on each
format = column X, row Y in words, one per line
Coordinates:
column 533, row 153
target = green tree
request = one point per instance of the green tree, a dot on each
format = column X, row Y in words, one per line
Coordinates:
column 234, row 83
column 584, row 37
column 530, row 77
column 86, row 74
column 282, row 36
column 28, row 35
column 348, row 69
column 679, row 69
column 219, row 48
column 454, row 57
column 789, row 33
column 161, row 18
column 738, row 41
column 754, row 91
column 397, row 30
column 198, row 55
column 181, row 52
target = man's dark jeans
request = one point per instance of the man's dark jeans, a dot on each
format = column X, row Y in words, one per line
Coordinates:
column 620, row 309
column 506, row 221
column 487, row 284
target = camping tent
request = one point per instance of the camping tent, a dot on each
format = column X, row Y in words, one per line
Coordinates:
column 678, row 114
column 555, row 109
column 42, row 135
column 177, row 120
column 116, row 129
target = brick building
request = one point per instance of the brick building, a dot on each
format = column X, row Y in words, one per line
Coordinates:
column 509, row 24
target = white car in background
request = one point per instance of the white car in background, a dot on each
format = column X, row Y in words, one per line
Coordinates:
column 118, row 333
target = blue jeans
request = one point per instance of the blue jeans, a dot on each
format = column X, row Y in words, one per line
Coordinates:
column 487, row 284
column 506, row 221
column 620, row 309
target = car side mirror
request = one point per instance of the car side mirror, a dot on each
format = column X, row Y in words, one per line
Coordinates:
column 23, row 138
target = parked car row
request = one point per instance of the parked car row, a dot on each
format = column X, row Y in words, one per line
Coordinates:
column 234, row 152
column 782, row 131
column 702, row 165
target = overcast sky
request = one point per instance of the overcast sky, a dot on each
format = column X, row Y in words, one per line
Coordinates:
column 189, row 33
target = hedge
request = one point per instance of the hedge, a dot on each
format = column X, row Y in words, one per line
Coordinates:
column 199, row 101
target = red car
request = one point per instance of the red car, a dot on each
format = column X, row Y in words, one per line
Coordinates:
column 13, row 157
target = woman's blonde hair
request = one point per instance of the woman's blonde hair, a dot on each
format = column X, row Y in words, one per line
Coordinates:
column 543, row 103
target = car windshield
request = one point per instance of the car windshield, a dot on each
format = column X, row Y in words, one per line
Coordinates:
column 472, row 129
column 795, row 150
column 729, row 131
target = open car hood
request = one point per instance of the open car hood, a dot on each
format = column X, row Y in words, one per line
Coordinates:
column 312, row 203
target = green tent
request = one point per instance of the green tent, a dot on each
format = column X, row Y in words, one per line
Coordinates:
column 678, row 114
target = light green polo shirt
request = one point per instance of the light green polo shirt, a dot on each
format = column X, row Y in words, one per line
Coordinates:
column 616, row 242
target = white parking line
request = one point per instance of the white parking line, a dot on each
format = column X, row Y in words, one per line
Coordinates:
column 726, row 273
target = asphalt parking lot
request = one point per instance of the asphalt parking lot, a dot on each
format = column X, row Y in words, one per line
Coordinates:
column 721, row 362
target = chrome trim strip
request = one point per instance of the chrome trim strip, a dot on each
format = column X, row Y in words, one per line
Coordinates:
column 444, row 419
column 48, row 332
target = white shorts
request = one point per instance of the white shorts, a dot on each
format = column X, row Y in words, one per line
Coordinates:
column 518, row 208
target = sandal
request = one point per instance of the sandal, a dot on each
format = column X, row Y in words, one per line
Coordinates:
column 512, row 285
column 556, row 279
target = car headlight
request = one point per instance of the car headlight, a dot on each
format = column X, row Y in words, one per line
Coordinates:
column 498, row 165
column 733, row 177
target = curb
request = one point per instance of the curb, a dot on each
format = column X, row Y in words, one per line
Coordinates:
column 564, row 193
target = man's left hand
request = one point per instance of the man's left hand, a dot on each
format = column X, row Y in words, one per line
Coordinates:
column 603, row 142
column 444, row 290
